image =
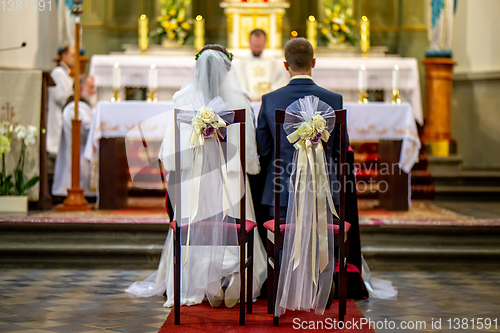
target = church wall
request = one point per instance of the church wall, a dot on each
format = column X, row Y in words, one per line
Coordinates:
column 475, row 105
column 38, row 29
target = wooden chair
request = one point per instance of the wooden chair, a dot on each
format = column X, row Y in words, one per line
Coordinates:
column 276, row 227
column 244, row 238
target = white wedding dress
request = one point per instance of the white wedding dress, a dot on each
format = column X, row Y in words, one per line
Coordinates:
column 213, row 84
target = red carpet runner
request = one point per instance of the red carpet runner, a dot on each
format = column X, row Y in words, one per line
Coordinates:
column 204, row 318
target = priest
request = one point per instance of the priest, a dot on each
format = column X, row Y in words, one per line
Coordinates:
column 258, row 72
column 62, row 173
column 58, row 95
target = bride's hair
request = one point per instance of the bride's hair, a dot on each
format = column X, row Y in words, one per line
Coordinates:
column 221, row 49
column 215, row 47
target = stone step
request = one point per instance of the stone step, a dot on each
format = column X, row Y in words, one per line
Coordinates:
column 71, row 245
column 438, row 164
column 467, row 178
column 432, row 247
column 487, row 193
column 67, row 245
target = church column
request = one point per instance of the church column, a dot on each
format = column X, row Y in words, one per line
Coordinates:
column 438, row 89
column 272, row 38
column 236, row 30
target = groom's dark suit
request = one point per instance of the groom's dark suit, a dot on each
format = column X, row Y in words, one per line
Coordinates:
column 281, row 99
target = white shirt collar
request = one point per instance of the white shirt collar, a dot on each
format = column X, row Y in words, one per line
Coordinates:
column 66, row 68
column 301, row 77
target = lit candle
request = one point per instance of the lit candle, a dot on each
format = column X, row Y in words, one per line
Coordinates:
column 395, row 78
column 153, row 78
column 312, row 31
column 365, row 34
column 362, row 79
column 117, row 77
column 199, row 32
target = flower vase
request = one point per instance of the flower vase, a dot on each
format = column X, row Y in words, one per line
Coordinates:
column 13, row 204
column 335, row 44
column 170, row 43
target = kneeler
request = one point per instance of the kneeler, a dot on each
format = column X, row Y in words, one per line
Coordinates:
column 244, row 228
column 276, row 227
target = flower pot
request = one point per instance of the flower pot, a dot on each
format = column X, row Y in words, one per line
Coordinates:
column 13, row 204
column 170, row 43
column 336, row 45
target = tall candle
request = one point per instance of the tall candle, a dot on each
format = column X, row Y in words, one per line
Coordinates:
column 117, row 76
column 395, row 78
column 199, row 32
column 143, row 32
column 153, row 78
column 312, row 31
column 362, row 78
column 365, row 34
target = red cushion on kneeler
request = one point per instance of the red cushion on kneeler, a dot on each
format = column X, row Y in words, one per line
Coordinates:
column 350, row 268
column 355, row 286
column 249, row 225
column 269, row 225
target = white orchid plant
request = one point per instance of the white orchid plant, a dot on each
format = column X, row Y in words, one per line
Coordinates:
column 27, row 135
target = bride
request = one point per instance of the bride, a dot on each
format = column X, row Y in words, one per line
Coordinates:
column 208, row 272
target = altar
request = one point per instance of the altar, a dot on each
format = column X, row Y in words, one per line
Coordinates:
column 339, row 74
column 125, row 137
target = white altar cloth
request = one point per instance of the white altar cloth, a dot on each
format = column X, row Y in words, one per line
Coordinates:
column 115, row 120
column 333, row 73
column 365, row 122
column 385, row 121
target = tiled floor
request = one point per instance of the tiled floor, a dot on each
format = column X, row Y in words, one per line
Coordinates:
column 433, row 296
column 479, row 209
column 93, row 301
column 69, row 301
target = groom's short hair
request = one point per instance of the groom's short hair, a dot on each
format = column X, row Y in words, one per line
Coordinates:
column 299, row 54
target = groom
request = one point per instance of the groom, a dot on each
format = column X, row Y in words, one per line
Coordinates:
column 299, row 61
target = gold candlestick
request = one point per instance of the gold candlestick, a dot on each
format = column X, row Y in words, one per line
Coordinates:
column 143, row 33
column 116, row 96
column 395, row 96
column 152, row 96
column 363, row 97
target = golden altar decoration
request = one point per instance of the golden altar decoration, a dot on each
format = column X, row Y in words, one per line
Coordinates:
column 245, row 16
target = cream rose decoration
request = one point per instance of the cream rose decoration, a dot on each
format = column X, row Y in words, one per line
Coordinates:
column 306, row 130
column 198, row 124
column 207, row 115
column 319, row 123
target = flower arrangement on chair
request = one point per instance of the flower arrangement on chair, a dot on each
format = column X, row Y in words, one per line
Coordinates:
column 173, row 24
column 27, row 136
column 337, row 27
column 205, row 124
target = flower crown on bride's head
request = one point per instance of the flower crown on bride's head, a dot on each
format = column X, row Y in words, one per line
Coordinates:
column 215, row 47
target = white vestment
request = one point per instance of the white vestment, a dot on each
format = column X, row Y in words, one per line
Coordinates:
column 58, row 95
column 260, row 75
column 62, row 172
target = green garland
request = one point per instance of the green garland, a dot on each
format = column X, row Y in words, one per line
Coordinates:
column 229, row 55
